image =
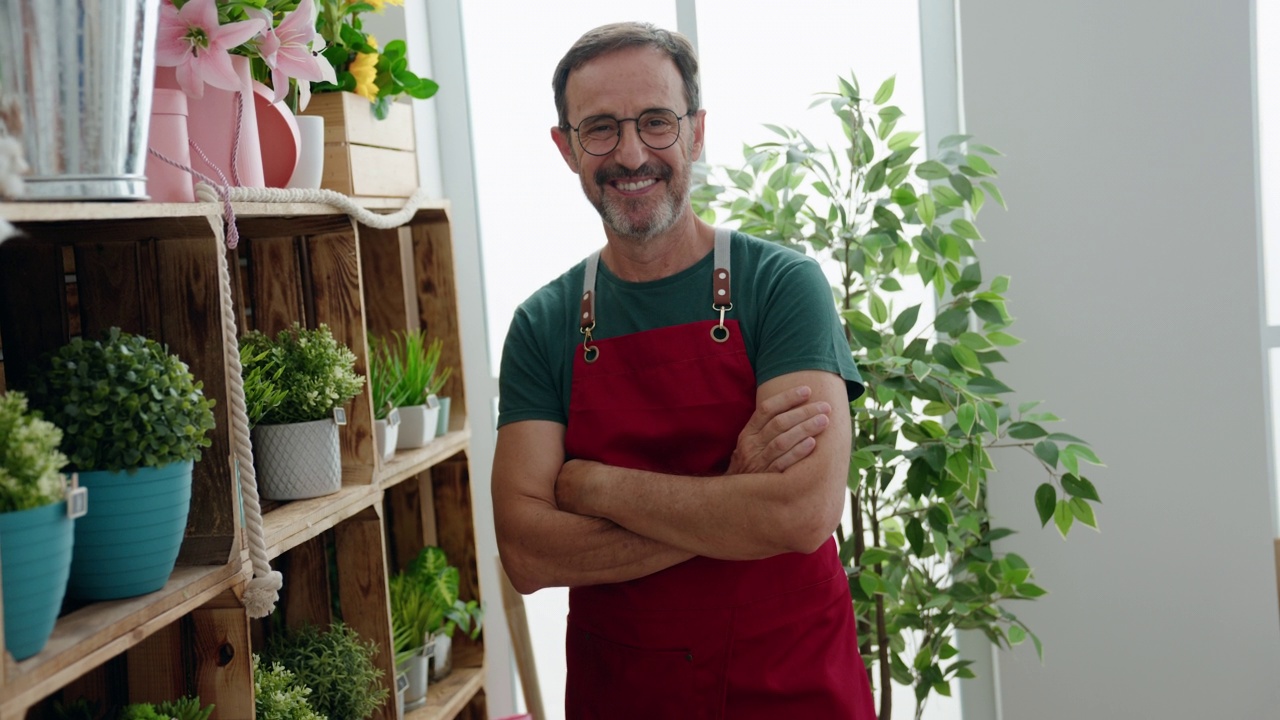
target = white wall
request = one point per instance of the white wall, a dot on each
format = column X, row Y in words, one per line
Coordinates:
column 1132, row 242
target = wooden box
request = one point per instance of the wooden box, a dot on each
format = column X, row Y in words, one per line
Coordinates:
column 365, row 156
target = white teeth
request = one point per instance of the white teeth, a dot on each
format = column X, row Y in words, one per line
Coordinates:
column 633, row 186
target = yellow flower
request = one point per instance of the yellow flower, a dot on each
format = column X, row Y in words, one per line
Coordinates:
column 379, row 5
column 365, row 70
column 373, row 41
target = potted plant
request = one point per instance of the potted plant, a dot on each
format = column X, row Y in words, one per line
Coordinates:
column 415, row 363
column 383, row 379
column 295, row 386
column 920, row 559
column 443, row 611
column 411, row 622
column 36, row 531
column 336, row 664
column 134, row 422
column 277, row 695
column 185, row 708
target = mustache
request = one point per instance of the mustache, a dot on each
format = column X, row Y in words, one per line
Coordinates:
column 617, row 172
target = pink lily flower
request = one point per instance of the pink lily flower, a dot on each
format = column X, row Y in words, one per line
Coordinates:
column 191, row 40
column 291, row 51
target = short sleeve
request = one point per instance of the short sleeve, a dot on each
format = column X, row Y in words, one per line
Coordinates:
column 528, row 387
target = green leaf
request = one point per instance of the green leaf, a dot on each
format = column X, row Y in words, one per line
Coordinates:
column 1084, row 453
column 1062, row 517
column 988, row 386
column 933, row 170
column 927, row 210
column 965, row 229
column 1047, row 450
column 1003, row 339
column 1046, row 498
column 951, row 141
column 1000, row 284
column 1016, row 635
column 974, row 341
column 879, row 311
column 885, row 92
column 1080, row 487
column 906, row 320
column 869, row 582
column 1026, row 431
column 915, row 535
column 1031, row 590
column 994, row 192
column 902, row 140
column 874, row 556
column 1083, row 512
column 990, row 419
column 967, row 359
column 965, row 417
column 979, row 163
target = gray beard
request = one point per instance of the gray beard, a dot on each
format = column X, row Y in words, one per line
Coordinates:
column 614, row 210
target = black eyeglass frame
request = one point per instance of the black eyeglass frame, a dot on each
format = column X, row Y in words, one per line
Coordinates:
column 617, row 138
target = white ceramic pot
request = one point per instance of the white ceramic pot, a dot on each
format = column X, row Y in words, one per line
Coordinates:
column 298, row 460
column 310, row 168
column 386, row 433
column 416, row 671
column 442, row 658
column 418, row 424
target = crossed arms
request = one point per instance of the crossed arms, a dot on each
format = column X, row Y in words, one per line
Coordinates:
column 584, row 523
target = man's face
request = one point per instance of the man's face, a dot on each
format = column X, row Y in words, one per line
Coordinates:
column 638, row 191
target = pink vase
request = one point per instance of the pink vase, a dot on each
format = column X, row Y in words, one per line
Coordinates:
column 168, row 136
column 211, row 125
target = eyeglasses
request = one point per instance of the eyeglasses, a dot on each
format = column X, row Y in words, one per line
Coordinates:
column 658, row 128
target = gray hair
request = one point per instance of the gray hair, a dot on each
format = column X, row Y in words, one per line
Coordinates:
column 617, row 36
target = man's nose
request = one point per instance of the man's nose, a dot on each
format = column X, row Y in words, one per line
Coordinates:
column 631, row 149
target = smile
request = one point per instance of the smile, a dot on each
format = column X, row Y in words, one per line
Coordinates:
column 634, row 185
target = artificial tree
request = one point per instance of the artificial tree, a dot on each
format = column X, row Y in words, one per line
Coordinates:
column 898, row 231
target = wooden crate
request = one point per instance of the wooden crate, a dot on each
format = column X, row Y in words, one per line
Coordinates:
column 365, row 156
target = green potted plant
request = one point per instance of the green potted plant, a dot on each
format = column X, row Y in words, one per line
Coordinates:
column 295, row 386
column 383, row 379
column 443, row 611
column 186, row 708
column 134, row 422
column 415, row 363
column 411, row 622
column 336, row 665
column 277, row 695
column 36, row 531
column 920, row 558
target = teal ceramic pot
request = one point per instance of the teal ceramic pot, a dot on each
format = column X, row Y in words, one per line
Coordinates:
column 128, row 542
column 442, row 425
column 35, row 554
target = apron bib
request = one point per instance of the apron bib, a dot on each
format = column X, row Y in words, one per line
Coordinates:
column 771, row 638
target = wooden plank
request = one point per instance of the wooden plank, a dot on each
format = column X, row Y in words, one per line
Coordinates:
column 521, row 644
column 296, row 522
column 223, row 658
column 335, row 284
column 411, row 522
column 29, row 215
column 155, row 666
column 386, row 260
column 98, row 632
column 192, row 328
column 456, row 533
column 438, row 305
column 450, row 696
column 348, row 118
column 362, row 592
column 407, row 463
column 306, row 593
column 275, row 272
column 109, row 290
column 33, row 315
column 104, row 685
column 360, row 170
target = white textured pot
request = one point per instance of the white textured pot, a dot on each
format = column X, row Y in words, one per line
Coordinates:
column 297, row 461
column 418, row 424
column 386, row 433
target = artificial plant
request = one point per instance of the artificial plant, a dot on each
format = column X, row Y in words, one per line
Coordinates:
column 898, row 231
column 336, row 664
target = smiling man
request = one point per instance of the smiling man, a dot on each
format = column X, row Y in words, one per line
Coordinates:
column 674, row 427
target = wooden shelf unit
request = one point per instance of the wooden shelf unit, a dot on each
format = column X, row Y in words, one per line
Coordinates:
column 152, row 269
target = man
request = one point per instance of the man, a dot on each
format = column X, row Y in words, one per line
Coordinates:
column 674, row 430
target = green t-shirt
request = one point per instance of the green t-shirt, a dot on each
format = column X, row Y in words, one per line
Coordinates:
column 781, row 300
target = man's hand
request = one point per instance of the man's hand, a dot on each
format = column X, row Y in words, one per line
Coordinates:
column 781, row 432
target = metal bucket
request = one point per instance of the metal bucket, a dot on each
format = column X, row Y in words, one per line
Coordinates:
column 75, row 87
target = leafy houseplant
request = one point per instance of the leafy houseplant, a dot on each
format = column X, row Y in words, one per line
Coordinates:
column 182, row 709
column 134, row 421
column 278, row 696
column 440, row 610
column 919, row 558
column 379, row 76
column 336, row 665
column 412, row 366
column 35, row 531
column 294, row 383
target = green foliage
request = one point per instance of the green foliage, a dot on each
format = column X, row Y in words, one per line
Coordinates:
column 345, row 39
column 277, row 695
column 336, row 665
column 78, row 709
column 30, row 462
column 142, row 711
column 314, row 370
column 185, row 708
column 425, row 599
column 920, row 559
column 409, row 366
column 122, row 402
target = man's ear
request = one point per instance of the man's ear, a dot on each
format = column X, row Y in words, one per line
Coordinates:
column 699, row 129
column 564, row 143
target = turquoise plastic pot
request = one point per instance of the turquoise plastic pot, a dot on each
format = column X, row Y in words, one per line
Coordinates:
column 35, row 554
column 128, row 542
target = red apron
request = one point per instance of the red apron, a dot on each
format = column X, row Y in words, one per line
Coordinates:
column 772, row 638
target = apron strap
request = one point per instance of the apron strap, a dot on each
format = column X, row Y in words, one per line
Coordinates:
column 587, row 313
column 720, row 295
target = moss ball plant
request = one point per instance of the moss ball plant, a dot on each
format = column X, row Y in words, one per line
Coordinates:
column 122, row 402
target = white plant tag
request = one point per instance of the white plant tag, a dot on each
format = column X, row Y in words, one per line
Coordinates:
column 340, row 416
column 77, row 498
column 393, row 417
column 433, row 402
column 402, row 682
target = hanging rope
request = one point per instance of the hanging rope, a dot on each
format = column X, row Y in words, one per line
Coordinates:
column 207, row 193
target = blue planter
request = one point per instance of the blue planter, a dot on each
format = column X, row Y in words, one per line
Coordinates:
column 35, row 557
column 128, row 542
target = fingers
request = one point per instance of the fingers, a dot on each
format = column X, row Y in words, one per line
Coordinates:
column 796, row 443
column 775, row 405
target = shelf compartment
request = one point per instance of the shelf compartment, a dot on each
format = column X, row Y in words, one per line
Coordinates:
column 449, row 697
